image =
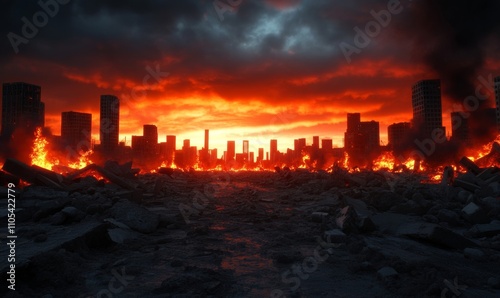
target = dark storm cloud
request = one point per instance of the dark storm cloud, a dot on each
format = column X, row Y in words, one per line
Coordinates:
column 452, row 38
column 279, row 52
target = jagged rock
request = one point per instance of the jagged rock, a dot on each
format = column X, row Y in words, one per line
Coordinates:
column 486, row 230
column 58, row 219
column 435, row 234
column 474, row 214
column 319, row 216
column 135, row 216
column 449, row 217
column 474, row 253
column 73, row 214
column 492, row 205
column 387, row 273
column 335, row 236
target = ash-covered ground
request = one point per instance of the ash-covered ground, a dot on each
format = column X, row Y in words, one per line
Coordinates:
column 259, row 234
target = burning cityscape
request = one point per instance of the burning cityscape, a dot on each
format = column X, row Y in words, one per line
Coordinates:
column 292, row 149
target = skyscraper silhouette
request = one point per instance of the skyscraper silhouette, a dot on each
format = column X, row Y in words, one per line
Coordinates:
column 109, row 123
column 22, row 108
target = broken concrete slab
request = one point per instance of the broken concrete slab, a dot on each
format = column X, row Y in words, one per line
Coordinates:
column 485, row 230
column 474, row 214
column 387, row 273
column 435, row 234
column 474, row 253
column 319, row 217
column 134, row 216
column 57, row 237
column 120, row 232
column 334, row 236
column 449, row 217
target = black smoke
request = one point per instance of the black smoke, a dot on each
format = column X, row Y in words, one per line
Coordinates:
column 452, row 38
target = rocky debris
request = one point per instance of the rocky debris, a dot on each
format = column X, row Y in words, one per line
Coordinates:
column 134, row 216
column 474, row 253
column 474, row 214
column 485, row 230
column 436, row 234
column 379, row 225
column 334, row 236
column 120, row 175
column 387, row 273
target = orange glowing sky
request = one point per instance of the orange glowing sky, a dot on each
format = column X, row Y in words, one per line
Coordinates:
column 270, row 69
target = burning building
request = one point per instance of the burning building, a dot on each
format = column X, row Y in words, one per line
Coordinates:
column 22, row 108
column 361, row 139
column 398, row 134
column 76, row 129
column 427, row 110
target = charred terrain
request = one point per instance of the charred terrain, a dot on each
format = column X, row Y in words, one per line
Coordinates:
column 110, row 232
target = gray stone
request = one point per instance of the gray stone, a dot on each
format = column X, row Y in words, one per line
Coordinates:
column 474, row 214
column 435, row 234
column 492, row 205
column 386, row 273
column 449, row 217
column 58, row 219
column 334, row 236
column 135, row 216
column 463, row 196
column 73, row 214
column 474, row 253
column 319, row 216
column 486, row 230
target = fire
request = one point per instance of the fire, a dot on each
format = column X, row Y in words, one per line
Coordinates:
column 82, row 161
column 482, row 151
column 385, row 161
column 39, row 154
column 345, row 162
column 305, row 160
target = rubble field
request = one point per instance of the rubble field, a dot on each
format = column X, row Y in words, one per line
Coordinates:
column 253, row 234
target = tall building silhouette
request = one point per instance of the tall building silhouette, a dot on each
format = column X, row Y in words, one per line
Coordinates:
column 22, row 108
column 361, row 139
column 497, row 100
column 76, row 129
column 150, row 133
column 246, row 150
column 398, row 134
column 171, row 148
column 315, row 143
column 231, row 151
column 273, row 152
column 206, row 140
column 427, row 110
column 109, row 123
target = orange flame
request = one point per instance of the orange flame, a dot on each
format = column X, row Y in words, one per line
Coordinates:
column 40, row 155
